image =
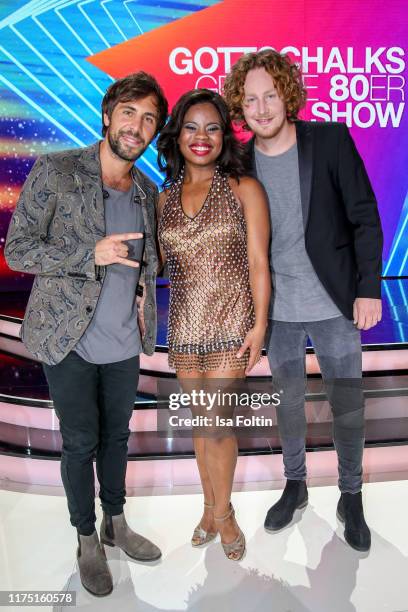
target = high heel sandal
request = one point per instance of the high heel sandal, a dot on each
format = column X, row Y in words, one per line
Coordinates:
column 234, row 550
column 201, row 535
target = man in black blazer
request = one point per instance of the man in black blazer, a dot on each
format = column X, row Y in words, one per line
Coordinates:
column 325, row 258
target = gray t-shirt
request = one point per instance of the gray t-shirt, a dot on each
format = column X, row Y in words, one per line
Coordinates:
column 113, row 334
column 298, row 293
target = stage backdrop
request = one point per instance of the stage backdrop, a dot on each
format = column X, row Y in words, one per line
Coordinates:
column 58, row 57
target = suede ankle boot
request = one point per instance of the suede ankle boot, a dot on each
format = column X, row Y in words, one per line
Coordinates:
column 350, row 512
column 116, row 532
column 93, row 567
column 281, row 514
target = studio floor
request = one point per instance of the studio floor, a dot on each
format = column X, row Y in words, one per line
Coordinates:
column 305, row 567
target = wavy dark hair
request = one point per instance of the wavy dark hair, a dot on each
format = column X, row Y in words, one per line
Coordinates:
column 170, row 159
column 134, row 87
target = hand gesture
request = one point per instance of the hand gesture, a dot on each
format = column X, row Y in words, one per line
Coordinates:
column 111, row 250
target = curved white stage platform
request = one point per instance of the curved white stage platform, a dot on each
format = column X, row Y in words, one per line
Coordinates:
column 30, row 441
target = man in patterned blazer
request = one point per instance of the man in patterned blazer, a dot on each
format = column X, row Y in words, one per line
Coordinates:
column 84, row 224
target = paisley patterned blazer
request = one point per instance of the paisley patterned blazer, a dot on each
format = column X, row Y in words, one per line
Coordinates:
column 57, row 221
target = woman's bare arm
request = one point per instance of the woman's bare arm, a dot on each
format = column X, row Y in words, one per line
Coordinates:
column 253, row 200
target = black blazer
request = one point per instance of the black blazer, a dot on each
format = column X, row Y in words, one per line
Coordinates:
column 343, row 233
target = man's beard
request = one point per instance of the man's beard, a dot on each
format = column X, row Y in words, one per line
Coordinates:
column 127, row 153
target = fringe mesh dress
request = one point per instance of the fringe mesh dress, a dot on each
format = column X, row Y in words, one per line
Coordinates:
column 211, row 307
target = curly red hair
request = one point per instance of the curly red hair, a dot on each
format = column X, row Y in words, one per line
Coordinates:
column 286, row 76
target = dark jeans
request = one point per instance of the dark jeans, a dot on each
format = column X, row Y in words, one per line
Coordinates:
column 94, row 404
column 338, row 349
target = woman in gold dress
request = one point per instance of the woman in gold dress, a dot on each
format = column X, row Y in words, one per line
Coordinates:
column 214, row 234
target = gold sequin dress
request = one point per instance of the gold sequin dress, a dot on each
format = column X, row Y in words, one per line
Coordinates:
column 211, row 307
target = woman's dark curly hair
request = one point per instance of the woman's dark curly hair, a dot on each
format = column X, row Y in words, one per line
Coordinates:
column 286, row 75
column 170, row 159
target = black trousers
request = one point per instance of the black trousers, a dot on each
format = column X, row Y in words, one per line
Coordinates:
column 94, row 404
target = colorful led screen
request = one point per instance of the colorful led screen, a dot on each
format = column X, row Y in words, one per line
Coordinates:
column 58, row 57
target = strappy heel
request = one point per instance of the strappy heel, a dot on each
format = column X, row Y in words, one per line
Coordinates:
column 234, row 550
column 200, row 535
